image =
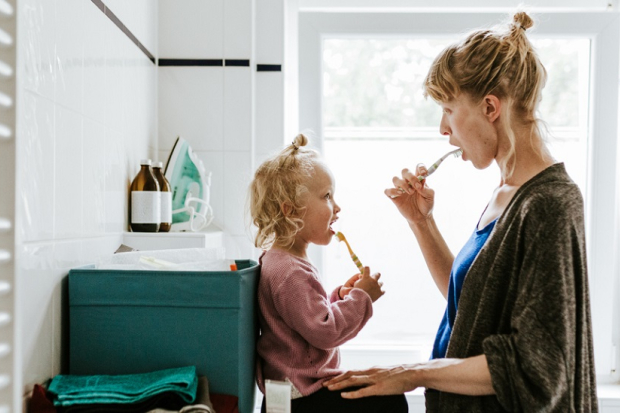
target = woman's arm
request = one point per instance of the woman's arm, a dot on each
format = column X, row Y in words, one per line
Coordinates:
column 415, row 201
column 436, row 253
column 468, row 376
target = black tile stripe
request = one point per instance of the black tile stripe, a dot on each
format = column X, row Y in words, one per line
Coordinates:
column 233, row 62
column 124, row 29
column 190, row 62
column 268, row 68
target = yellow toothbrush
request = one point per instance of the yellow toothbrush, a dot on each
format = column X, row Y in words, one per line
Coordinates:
column 356, row 260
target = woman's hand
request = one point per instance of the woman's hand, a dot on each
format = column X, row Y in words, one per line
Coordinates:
column 376, row 381
column 348, row 286
column 469, row 376
column 411, row 196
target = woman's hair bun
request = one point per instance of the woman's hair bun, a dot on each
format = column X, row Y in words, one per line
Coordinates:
column 300, row 140
column 522, row 20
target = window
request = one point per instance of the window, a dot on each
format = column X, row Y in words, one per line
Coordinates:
column 360, row 89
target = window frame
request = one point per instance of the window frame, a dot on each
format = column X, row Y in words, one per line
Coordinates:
column 602, row 202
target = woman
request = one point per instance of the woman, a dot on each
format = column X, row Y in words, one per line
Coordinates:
column 516, row 335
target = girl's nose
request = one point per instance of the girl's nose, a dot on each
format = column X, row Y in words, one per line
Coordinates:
column 336, row 208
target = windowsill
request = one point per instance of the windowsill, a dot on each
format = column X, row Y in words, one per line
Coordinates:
column 608, row 396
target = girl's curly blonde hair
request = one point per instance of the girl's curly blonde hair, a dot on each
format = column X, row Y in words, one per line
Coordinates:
column 281, row 180
column 501, row 62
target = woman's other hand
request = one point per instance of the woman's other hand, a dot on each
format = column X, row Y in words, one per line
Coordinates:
column 373, row 382
column 413, row 198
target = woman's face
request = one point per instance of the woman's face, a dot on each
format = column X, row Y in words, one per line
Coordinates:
column 470, row 127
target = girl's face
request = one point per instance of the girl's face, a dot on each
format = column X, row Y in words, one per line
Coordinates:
column 320, row 212
column 470, row 127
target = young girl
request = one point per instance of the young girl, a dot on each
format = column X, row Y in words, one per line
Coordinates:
column 292, row 205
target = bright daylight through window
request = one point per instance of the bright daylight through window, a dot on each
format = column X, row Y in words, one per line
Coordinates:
column 376, row 122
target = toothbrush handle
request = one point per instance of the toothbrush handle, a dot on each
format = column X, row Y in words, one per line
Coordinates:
column 357, row 262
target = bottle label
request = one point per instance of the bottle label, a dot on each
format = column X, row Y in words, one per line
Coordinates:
column 166, row 207
column 145, row 207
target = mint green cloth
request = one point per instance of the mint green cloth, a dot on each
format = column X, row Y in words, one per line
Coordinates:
column 69, row 390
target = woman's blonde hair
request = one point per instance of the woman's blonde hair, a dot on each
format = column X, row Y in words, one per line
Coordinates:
column 500, row 62
column 281, row 180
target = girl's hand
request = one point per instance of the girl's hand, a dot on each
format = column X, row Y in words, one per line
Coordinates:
column 413, row 198
column 370, row 284
column 348, row 286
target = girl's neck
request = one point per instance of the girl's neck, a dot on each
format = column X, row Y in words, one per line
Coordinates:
column 295, row 249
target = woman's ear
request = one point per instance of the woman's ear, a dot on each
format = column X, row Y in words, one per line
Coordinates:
column 492, row 107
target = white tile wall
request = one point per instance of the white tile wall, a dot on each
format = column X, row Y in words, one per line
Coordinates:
column 93, row 167
column 70, row 54
column 269, row 113
column 191, row 29
column 191, row 106
column 270, row 32
column 238, row 29
column 86, row 113
column 140, row 17
column 67, row 181
column 238, row 108
column 237, row 177
column 37, row 44
column 35, row 165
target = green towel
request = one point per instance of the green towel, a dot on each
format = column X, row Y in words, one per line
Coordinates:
column 128, row 388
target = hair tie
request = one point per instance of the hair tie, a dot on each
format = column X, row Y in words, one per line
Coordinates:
column 295, row 145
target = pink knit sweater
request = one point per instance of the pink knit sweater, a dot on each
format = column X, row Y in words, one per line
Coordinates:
column 301, row 327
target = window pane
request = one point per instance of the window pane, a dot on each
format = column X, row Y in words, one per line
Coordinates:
column 376, row 123
column 384, row 91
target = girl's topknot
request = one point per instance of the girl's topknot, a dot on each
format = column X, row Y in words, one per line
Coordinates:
column 299, row 141
column 522, row 21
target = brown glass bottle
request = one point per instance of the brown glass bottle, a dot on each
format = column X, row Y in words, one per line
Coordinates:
column 166, row 198
column 144, row 200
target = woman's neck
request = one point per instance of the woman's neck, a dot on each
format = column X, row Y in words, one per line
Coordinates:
column 531, row 157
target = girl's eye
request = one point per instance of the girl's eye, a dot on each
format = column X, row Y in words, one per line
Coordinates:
column 328, row 196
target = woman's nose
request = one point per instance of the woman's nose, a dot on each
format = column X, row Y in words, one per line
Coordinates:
column 444, row 129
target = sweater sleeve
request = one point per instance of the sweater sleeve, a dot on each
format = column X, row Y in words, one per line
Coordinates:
column 531, row 366
column 304, row 306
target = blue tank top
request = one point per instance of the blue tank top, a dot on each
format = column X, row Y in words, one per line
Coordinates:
column 461, row 265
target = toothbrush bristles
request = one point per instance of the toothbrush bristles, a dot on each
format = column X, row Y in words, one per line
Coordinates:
column 456, row 153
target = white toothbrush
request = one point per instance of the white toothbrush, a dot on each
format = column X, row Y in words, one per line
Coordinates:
column 456, row 153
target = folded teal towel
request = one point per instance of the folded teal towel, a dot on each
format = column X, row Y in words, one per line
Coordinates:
column 127, row 388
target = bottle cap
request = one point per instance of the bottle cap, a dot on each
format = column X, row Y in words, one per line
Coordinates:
column 158, row 164
column 145, row 162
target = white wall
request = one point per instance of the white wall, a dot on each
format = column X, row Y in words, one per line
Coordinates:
column 232, row 116
column 86, row 115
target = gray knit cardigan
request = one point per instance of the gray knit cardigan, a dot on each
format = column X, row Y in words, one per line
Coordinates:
column 525, row 305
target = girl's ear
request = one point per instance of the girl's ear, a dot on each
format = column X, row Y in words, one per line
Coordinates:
column 286, row 208
column 492, row 107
